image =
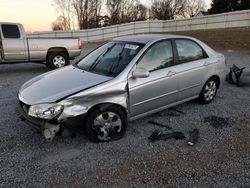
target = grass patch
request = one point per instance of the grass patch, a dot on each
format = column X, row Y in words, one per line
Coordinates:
column 222, row 39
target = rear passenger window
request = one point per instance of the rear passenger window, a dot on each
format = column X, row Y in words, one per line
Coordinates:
column 10, row 31
column 189, row 51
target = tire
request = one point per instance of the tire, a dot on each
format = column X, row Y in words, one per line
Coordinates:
column 106, row 123
column 209, row 91
column 57, row 60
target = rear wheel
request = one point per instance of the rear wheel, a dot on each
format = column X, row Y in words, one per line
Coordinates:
column 57, row 60
column 106, row 124
column 209, row 91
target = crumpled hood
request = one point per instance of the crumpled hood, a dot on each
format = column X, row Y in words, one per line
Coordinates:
column 55, row 85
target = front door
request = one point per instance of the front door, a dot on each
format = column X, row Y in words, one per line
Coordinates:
column 160, row 88
column 13, row 43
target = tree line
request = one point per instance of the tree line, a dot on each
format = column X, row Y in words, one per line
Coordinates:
column 221, row 6
column 98, row 13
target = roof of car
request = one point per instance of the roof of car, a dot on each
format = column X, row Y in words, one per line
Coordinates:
column 145, row 38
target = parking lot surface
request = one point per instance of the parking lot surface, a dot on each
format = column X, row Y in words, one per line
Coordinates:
column 221, row 158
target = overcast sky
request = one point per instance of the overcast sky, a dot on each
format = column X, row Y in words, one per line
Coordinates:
column 35, row 15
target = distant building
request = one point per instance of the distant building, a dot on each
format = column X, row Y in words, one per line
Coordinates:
column 202, row 13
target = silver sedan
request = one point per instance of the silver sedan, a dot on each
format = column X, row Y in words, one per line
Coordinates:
column 125, row 79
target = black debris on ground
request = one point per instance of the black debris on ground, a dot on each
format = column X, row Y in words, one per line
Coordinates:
column 217, row 122
column 157, row 135
column 176, row 110
column 193, row 137
column 233, row 77
column 160, row 124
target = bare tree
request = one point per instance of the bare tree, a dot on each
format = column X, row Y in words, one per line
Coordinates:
column 80, row 9
column 133, row 10
column 139, row 12
column 63, row 7
column 126, row 9
column 167, row 9
column 60, row 24
column 123, row 11
column 87, row 12
column 94, row 13
column 193, row 7
column 113, row 8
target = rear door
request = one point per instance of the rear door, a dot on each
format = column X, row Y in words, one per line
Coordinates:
column 192, row 68
column 13, row 43
column 160, row 88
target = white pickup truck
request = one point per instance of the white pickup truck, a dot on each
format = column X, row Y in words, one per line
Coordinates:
column 15, row 47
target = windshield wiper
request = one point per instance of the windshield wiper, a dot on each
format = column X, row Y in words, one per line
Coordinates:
column 98, row 59
column 116, row 64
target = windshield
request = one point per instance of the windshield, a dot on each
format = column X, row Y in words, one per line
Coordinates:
column 110, row 59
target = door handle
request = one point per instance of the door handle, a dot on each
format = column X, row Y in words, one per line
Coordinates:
column 171, row 73
column 206, row 63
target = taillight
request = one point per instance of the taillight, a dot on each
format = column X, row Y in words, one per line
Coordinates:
column 79, row 44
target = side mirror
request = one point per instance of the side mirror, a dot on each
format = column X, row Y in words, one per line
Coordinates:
column 140, row 73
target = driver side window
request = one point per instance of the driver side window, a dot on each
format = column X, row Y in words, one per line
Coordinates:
column 159, row 56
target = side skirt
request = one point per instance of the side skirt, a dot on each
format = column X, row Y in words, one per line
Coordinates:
column 160, row 109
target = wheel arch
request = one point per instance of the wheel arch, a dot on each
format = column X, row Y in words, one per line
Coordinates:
column 217, row 78
column 56, row 49
column 106, row 105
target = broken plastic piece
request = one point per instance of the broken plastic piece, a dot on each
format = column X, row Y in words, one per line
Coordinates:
column 50, row 131
column 157, row 135
column 234, row 75
column 193, row 137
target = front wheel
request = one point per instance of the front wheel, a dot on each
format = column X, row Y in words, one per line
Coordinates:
column 209, row 91
column 106, row 124
column 57, row 60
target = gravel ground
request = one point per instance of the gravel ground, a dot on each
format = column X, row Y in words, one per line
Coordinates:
column 221, row 158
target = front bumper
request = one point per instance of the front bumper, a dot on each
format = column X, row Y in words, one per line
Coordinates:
column 35, row 123
column 48, row 129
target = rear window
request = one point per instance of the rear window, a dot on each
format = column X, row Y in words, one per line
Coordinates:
column 188, row 50
column 10, row 31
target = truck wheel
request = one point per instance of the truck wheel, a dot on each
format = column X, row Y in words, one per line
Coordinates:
column 106, row 124
column 57, row 60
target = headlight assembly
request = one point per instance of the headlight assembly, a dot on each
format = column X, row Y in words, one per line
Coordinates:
column 46, row 111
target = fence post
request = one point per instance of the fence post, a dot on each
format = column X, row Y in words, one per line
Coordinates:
column 190, row 24
column 102, row 34
column 226, row 19
column 176, row 26
column 149, row 26
column 134, row 28
column 248, row 19
column 205, row 28
column 87, row 36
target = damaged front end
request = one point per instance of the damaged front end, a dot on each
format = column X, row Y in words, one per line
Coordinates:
column 48, row 127
column 50, row 118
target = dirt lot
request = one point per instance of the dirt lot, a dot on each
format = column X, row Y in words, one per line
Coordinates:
column 221, row 158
